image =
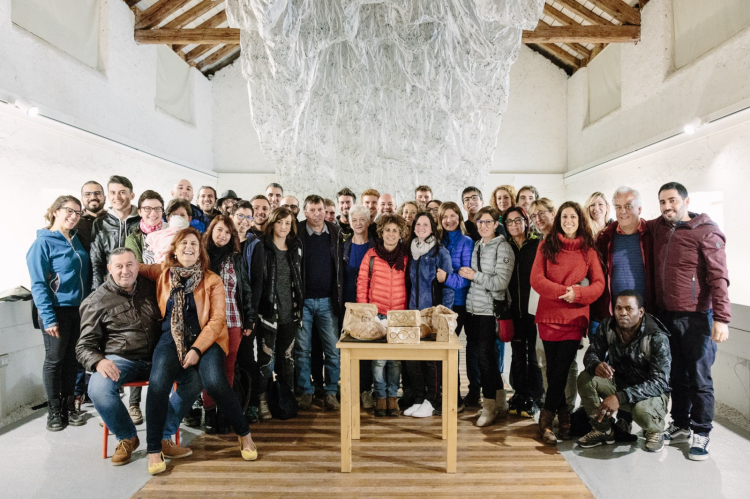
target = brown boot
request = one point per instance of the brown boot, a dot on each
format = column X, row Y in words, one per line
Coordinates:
column 124, row 451
column 174, row 451
column 563, row 418
column 392, row 410
column 546, row 417
column 380, row 408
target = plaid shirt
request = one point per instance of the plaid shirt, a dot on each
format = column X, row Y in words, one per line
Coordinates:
column 229, row 277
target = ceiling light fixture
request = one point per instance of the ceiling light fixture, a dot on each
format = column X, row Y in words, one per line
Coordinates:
column 26, row 106
column 693, row 125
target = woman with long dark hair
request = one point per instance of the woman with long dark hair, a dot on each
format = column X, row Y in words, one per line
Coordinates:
column 194, row 337
column 60, row 279
column 222, row 243
column 568, row 277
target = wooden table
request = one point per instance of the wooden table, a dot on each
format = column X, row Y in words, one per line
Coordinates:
column 354, row 351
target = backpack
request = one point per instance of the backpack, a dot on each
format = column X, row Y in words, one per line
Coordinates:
column 645, row 342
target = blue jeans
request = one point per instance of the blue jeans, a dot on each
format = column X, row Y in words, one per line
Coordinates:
column 500, row 351
column 693, row 354
column 167, row 369
column 105, row 394
column 386, row 375
column 593, row 326
column 317, row 312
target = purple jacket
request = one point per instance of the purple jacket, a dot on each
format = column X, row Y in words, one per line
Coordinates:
column 690, row 266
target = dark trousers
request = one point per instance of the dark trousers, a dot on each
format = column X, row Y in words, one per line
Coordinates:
column 365, row 375
column 560, row 355
column 483, row 329
column 527, row 376
column 82, row 382
column 60, row 367
column 693, row 354
column 472, row 354
column 276, row 351
column 247, row 361
column 166, row 369
column 424, row 380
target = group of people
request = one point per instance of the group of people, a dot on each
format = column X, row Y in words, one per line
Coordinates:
column 187, row 297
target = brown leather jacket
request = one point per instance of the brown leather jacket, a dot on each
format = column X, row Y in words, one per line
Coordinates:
column 209, row 300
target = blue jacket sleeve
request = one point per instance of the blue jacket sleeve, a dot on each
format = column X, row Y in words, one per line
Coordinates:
column 445, row 263
column 455, row 281
column 37, row 259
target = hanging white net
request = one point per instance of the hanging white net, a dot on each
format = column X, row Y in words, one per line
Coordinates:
column 387, row 94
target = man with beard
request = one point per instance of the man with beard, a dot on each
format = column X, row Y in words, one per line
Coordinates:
column 92, row 196
column 346, row 199
column 261, row 210
column 423, row 195
column 292, row 204
column 207, row 202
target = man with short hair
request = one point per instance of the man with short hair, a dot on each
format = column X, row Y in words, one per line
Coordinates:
column 292, row 204
column 261, row 211
column 207, row 202
column 346, row 199
column 274, row 193
column 120, row 327
column 423, row 195
column 330, row 210
column 526, row 195
column 471, row 197
column 635, row 346
column 322, row 268
column 92, row 197
column 370, row 199
column 111, row 230
column 183, row 189
column 692, row 301
column 386, row 205
column 227, row 203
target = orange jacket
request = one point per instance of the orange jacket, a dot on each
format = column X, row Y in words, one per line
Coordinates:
column 212, row 318
column 386, row 288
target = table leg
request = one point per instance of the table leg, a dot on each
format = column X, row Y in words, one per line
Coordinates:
column 346, row 412
column 354, row 374
column 452, row 409
column 445, row 394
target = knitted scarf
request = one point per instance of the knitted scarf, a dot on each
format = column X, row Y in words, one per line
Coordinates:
column 148, row 229
column 192, row 276
column 394, row 258
column 422, row 248
column 218, row 255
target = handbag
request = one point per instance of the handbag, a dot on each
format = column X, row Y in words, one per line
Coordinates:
column 505, row 328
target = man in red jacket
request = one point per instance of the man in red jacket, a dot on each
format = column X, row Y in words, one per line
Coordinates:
column 692, row 301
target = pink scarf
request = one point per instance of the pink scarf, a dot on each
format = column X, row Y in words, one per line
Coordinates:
column 148, row 229
column 160, row 242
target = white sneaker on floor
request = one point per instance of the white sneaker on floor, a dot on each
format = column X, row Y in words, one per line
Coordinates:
column 411, row 410
column 424, row 410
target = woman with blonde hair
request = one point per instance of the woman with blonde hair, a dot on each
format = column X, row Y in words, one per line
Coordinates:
column 542, row 215
column 502, row 198
column 597, row 213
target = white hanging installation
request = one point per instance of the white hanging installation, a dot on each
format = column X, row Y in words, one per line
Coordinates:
column 387, row 94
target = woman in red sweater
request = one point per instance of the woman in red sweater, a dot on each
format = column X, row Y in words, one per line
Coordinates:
column 382, row 281
column 568, row 276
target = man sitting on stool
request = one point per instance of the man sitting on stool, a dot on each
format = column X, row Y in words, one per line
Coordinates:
column 635, row 378
column 119, row 331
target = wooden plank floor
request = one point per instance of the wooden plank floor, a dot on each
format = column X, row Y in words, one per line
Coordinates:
column 396, row 457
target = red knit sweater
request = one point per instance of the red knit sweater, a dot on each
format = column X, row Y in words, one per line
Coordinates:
column 551, row 280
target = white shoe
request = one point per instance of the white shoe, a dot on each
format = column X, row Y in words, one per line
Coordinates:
column 487, row 414
column 367, row 401
column 501, row 403
column 411, row 410
column 424, row 410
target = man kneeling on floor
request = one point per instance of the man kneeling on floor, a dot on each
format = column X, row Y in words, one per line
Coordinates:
column 635, row 378
column 119, row 331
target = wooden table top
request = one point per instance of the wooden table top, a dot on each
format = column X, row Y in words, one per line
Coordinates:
column 453, row 344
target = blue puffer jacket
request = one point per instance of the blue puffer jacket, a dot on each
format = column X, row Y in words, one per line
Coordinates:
column 422, row 274
column 59, row 271
column 460, row 248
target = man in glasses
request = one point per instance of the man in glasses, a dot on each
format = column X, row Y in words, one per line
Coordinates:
column 92, row 196
column 473, row 202
column 292, row 204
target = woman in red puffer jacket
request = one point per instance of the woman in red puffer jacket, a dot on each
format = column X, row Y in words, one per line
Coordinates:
column 568, row 276
column 382, row 281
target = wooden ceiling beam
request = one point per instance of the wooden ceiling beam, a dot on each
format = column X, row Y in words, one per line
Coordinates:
column 582, row 34
column 192, row 14
column 220, row 54
column 585, row 13
column 561, row 54
column 226, row 62
column 155, row 14
column 229, row 36
column 563, row 19
column 196, row 52
column 212, row 22
column 569, row 70
column 131, row 3
column 619, row 10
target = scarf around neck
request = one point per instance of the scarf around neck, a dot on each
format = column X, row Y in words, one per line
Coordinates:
column 394, row 258
column 419, row 248
column 218, row 255
column 184, row 280
column 148, row 229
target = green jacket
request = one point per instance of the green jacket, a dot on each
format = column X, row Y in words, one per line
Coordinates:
column 134, row 242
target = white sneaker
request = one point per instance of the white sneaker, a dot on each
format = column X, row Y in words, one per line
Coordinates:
column 411, row 410
column 367, row 401
column 488, row 414
column 424, row 410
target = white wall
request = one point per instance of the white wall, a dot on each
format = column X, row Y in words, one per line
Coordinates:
column 117, row 100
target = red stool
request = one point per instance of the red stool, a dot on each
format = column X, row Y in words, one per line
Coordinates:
column 106, row 430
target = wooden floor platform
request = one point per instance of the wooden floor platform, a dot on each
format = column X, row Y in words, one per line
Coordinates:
column 396, row 457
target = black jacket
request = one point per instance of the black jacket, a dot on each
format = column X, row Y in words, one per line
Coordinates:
column 264, row 280
column 243, row 294
column 108, row 233
column 85, row 225
column 114, row 322
column 337, row 256
column 345, row 229
column 638, row 375
column 520, row 282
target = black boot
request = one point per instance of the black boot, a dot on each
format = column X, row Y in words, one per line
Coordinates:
column 54, row 419
column 68, row 410
column 211, row 421
column 222, row 426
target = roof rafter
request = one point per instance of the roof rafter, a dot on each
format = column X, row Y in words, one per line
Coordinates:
column 157, row 13
column 192, row 14
column 585, row 13
column 188, row 36
column 583, row 34
column 619, row 10
column 217, row 56
column 212, row 22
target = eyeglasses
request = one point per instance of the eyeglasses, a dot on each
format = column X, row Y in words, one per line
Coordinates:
column 71, row 211
column 518, row 221
column 475, row 197
column 538, row 214
column 433, row 210
column 485, row 223
column 290, row 206
column 93, row 194
column 627, row 207
column 147, row 210
column 243, row 217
